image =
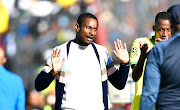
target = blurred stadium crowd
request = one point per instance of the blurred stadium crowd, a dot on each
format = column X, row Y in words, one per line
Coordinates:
column 31, row 28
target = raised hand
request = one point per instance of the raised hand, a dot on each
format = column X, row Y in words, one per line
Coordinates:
column 144, row 49
column 121, row 52
column 56, row 63
column 157, row 40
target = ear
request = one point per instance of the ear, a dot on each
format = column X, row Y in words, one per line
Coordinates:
column 77, row 27
column 4, row 60
column 154, row 27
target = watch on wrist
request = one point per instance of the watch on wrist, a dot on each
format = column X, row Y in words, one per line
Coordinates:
column 125, row 64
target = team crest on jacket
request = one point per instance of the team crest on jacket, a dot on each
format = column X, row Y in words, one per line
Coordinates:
column 134, row 52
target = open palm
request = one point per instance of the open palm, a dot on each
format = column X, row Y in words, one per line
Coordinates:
column 56, row 63
column 121, row 52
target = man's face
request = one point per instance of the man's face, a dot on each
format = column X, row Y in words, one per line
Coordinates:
column 163, row 29
column 87, row 31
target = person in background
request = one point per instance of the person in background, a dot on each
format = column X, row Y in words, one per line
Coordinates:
column 12, row 93
column 161, row 87
column 140, row 49
column 34, row 100
column 82, row 68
